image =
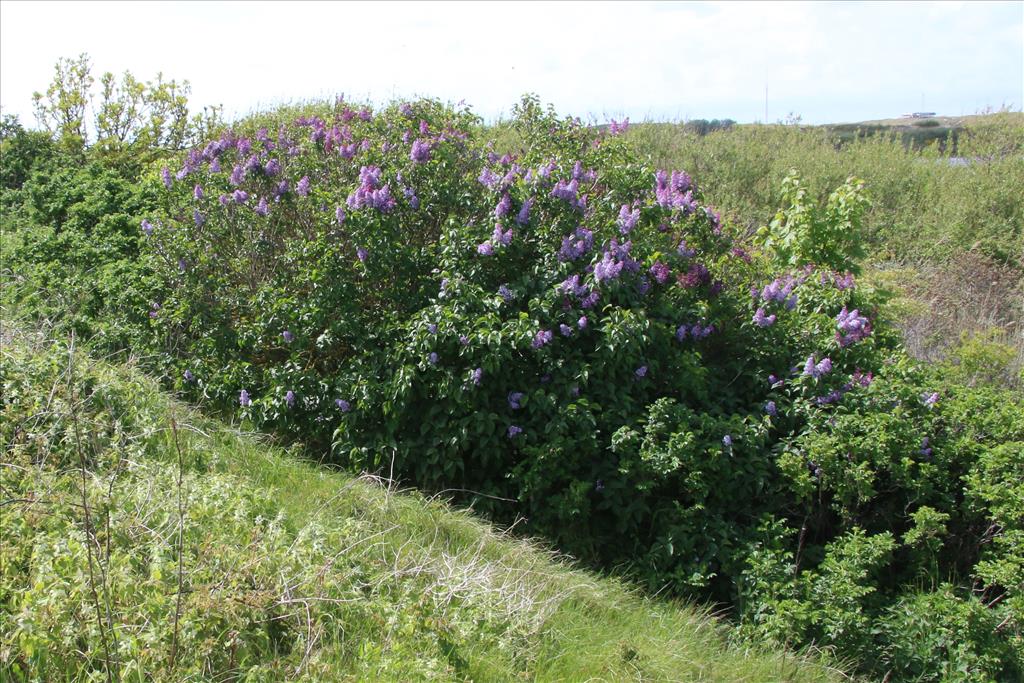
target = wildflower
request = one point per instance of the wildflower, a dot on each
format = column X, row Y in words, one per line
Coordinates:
column 243, row 399
column 761, row 320
column 541, row 338
column 288, row 337
column 643, row 286
column 488, row 178
column 289, row 398
column 343, row 405
column 697, row 274
column 617, row 128
column 224, row 200
column 590, row 300
column 514, row 397
column 303, row 186
column 926, row 450
column 513, row 431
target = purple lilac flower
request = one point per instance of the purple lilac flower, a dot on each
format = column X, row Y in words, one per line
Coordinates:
column 727, row 441
column 762, row 320
column 302, row 187
column 541, row 338
column 198, row 218
column 505, row 293
column 778, row 290
column 272, row 168
column 361, row 254
column 240, row 196
column 930, row 399
column 640, row 372
column 852, row 327
column 697, row 275
column 861, row 378
column 681, row 332
column 499, row 237
column 582, row 322
column 628, row 219
column 616, row 128
column 420, row 152
column 485, row 249
column 607, row 269
column 464, row 340
column 523, row 217
column 926, row 450
column 503, row 207
column 288, row 337
column 576, row 245
column 432, row 328
column 477, row 376
column 339, row 215
column 165, row 175
column 685, row 251
column 513, row 399
column 289, row 398
column 590, row 300
column 262, row 209
column 197, row 193
column 569, row 192
column 215, row 166
column 281, row 189
column 343, row 405
column 147, row 228
column 189, row 376
column 660, row 272
column 675, row 191
column 565, row 330
column 833, row 396
column 224, row 199
column 243, row 399
column 816, row 369
column 237, row 175
column 432, row 358
column 405, row 109
column 770, row 408
column 643, row 285
column 370, row 192
column 514, row 431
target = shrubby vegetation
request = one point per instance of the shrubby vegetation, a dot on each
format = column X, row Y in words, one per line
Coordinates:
column 567, row 335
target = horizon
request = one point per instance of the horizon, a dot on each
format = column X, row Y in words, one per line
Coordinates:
column 754, row 62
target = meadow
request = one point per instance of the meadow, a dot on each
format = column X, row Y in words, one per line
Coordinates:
column 774, row 371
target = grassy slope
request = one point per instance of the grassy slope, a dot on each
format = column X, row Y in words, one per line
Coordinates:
column 290, row 571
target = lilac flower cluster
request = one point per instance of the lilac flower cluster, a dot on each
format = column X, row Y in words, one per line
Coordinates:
column 607, row 268
column 477, row 376
column 840, row 281
column 523, row 217
column 685, row 251
column 243, row 399
column 929, row 400
column 420, row 152
column 675, row 191
column 617, row 128
column 628, row 219
column 586, row 296
column 505, row 293
column 852, row 327
column 780, row 290
column 576, row 245
column 289, row 398
column 815, row 369
column 503, row 207
column 541, row 338
column 695, row 331
column 762, row 320
column 370, row 192
column 695, row 276
column 569, row 192
column 514, row 431
column 660, row 272
column 513, row 399
column 343, row 405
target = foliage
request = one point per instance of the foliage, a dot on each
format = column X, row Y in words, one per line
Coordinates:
column 283, row 571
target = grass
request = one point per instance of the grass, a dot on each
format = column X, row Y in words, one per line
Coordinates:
column 285, row 570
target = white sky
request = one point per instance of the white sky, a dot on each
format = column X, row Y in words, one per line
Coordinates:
column 827, row 62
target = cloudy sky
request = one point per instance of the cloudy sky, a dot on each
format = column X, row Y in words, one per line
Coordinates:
column 827, row 62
